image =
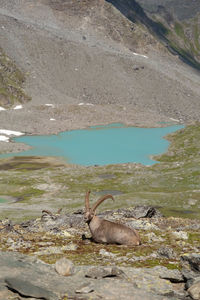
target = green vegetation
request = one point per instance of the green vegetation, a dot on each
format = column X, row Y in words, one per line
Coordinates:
column 172, row 185
column 179, row 30
column 11, row 82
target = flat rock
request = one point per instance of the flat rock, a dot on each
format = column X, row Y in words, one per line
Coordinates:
column 194, row 291
column 30, row 277
column 142, row 211
column 101, row 272
column 27, row 289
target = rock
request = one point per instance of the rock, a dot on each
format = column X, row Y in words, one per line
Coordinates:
column 180, row 235
column 152, row 237
column 194, row 291
column 49, row 250
column 100, row 272
column 85, row 289
column 191, row 281
column 174, row 276
column 27, row 289
column 64, row 267
column 105, row 253
column 191, row 261
column 70, row 247
column 166, row 252
column 142, row 224
column 141, row 211
column 149, row 280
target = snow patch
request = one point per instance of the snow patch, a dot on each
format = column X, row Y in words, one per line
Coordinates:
column 2, row 108
column 10, row 132
column 18, row 107
column 82, row 103
column 174, row 119
column 4, row 138
column 142, row 55
column 50, row 105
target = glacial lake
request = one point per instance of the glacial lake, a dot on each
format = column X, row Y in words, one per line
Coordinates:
column 100, row 145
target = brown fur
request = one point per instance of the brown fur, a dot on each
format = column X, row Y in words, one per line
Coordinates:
column 104, row 231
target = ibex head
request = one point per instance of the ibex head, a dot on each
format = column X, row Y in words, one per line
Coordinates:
column 90, row 212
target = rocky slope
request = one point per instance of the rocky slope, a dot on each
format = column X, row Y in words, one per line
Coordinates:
column 97, row 271
column 92, row 51
column 175, row 23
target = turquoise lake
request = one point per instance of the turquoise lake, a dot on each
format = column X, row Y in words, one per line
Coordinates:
column 100, row 145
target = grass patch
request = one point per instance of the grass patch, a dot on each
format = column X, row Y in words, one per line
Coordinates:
column 172, row 185
column 11, row 82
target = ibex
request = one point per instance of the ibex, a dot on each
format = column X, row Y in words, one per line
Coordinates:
column 104, row 231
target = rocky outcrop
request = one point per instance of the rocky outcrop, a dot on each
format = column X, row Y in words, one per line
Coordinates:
column 174, row 23
column 27, row 277
column 63, row 262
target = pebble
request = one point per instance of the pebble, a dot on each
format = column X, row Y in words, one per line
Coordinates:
column 64, row 267
column 182, row 235
column 103, row 252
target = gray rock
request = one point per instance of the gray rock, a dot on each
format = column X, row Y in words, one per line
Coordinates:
column 166, row 252
column 152, row 237
column 27, row 289
column 194, row 291
column 141, row 211
column 180, row 235
column 174, row 276
column 100, row 272
column 142, row 224
column 64, row 267
column 105, row 253
column 85, row 288
column 191, row 281
column 191, row 261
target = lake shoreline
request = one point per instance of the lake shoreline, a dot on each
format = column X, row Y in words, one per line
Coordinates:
column 123, row 145
column 48, row 120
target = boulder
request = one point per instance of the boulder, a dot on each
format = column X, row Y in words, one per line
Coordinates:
column 64, row 267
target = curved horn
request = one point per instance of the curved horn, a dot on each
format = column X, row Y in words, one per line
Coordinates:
column 94, row 207
column 87, row 203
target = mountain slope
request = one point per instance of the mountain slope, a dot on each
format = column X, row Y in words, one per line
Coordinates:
column 91, row 51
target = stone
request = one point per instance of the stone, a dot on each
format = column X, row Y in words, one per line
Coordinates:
column 166, row 252
column 191, row 281
column 191, row 261
column 180, row 235
column 27, row 289
column 70, row 247
column 85, row 289
column 194, row 291
column 142, row 224
column 174, row 276
column 100, row 272
column 64, row 267
column 106, row 253
column 152, row 237
column 142, row 211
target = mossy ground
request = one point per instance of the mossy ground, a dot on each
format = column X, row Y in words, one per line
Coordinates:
column 89, row 253
column 11, row 83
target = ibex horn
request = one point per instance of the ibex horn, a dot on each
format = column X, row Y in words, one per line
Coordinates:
column 94, row 207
